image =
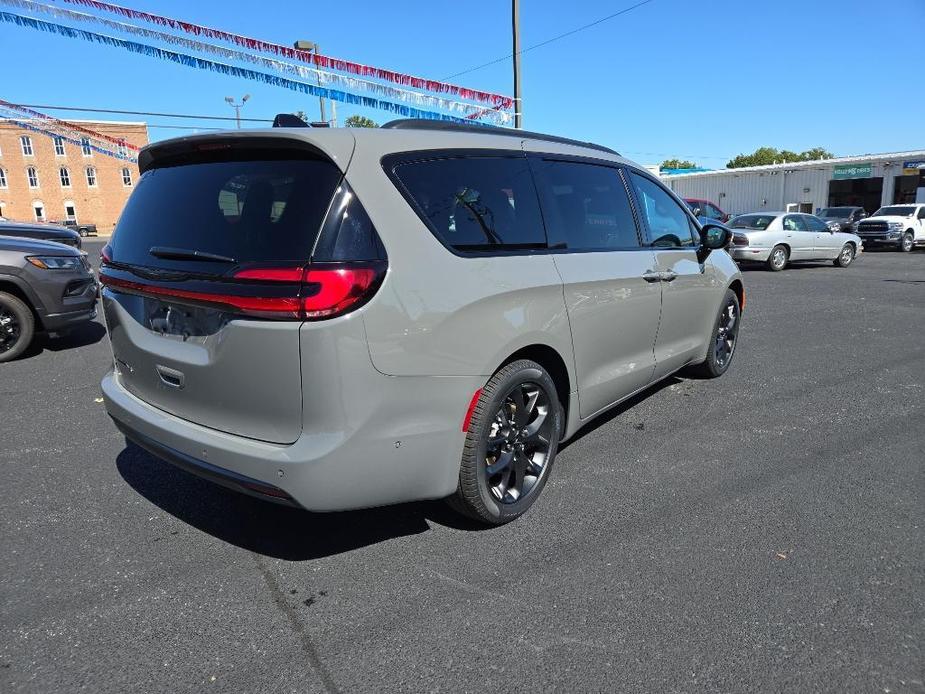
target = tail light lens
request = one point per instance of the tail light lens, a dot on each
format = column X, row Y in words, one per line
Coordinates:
column 739, row 239
column 288, row 293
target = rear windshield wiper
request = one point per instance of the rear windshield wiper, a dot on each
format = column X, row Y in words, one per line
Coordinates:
column 184, row 254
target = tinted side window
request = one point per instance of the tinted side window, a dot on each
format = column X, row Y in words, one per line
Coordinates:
column 793, row 222
column 476, row 203
column 922, row 213
column 815, row 224
column 586, row 206
column 713, row 212
column 669, row 225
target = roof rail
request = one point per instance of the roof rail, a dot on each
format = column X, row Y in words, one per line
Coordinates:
column 425, row 124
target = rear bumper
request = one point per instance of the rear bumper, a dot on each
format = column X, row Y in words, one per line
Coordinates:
column 405, row 447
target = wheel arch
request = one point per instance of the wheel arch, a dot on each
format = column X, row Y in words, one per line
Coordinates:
column 739, row 289
column 11, row 287
column 552, row 361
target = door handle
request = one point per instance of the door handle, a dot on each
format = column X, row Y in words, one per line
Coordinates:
column 669, row 276
column 652, row 276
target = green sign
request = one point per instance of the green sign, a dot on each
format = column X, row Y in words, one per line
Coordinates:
column 853, row 171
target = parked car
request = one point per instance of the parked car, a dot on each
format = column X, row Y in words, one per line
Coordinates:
column 706, row 211
column 41, row 232
column 778, row 238
column 900, row 226
column 842, row 218
column 43, row 286
column 471, row 298
column 81, row 228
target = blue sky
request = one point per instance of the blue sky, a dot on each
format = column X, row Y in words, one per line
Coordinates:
column 699, row 80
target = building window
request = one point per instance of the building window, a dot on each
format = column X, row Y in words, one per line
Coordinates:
column 38, row 207
column 2, row 178
column 65, row 177
column 91, row 177
column 59, row 146
column 85, row 146
column 126, row 176
column 33, row 177
column 26, row 142
column 70, row 212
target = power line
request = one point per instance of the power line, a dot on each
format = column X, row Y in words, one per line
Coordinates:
column 142, row 113
column 554, row 38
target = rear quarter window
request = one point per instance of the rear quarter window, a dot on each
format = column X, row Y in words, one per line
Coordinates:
column 474, row 204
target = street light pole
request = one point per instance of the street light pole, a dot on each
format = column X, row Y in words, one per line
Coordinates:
column 237, row 107
column 313, row 47
column 515, row 26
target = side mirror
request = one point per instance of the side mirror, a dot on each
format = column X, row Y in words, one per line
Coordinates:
column 712, row 238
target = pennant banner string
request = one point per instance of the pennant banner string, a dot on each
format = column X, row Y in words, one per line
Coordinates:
column 25, row 125
column 23, row 111
column 243, row 73
column 321, row 61
column 472, row 111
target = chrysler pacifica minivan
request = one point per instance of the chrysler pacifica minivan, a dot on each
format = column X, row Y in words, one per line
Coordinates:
column 336, row 319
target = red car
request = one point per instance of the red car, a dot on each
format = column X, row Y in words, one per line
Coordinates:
column 706, row 210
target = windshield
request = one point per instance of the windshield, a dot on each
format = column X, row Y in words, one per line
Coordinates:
column 895, row 211
column 752, row 221
column 836, row 212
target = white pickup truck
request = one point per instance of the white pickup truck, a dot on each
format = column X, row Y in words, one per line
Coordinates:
column 901, row 226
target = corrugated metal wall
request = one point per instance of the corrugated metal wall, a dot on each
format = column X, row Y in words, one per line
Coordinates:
column 754, row 191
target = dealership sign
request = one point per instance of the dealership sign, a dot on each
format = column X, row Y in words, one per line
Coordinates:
column 853, row 171
column 913, row 167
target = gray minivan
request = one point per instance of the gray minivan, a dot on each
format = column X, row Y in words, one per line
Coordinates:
column 338, row 318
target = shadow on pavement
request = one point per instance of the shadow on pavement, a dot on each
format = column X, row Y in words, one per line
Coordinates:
column 82, row 336
column 267, row 528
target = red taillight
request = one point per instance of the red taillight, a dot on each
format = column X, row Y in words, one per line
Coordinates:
column 333, row 291
column 739, row 239
column 312, row 294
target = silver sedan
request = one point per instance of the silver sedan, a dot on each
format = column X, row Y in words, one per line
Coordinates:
column 778, row 238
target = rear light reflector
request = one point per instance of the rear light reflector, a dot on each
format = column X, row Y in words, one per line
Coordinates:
column 271, row 274
column 467, row 420
column 739, row 239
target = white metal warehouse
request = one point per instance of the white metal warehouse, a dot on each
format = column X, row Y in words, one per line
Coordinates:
column 869, row 181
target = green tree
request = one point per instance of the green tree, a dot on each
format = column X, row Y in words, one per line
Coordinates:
column 360, row 122
column 769, row 155
column 678, row 164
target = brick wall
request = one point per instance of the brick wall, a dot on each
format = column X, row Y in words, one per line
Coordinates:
column 100, row 204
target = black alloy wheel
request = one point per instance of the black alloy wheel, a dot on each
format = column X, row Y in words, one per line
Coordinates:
column 725, row 338
column 511, row 444
column 17, row 326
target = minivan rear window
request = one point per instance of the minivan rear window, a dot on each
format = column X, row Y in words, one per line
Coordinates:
column 476, row 203
column 245, row 211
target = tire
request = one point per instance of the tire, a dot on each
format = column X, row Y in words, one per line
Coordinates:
column 719, row 356
column 907, row 243
column 496, row 438
column 778, row 258
column 17, row 327
column 845, row 256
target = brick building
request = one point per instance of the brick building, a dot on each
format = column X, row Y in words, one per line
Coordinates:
column 49, row 179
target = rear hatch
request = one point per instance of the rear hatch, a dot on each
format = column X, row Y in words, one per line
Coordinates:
column 204, row 279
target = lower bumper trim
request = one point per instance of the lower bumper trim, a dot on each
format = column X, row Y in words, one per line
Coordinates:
column 208, row 471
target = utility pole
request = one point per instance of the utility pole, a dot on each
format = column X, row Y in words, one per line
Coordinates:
column 302, row 45
column 515, row 25
column 237, row 107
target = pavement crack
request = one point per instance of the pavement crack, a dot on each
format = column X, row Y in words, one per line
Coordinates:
column 297, row 627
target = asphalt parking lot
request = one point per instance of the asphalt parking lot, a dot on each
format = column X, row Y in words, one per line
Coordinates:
column 763, row 531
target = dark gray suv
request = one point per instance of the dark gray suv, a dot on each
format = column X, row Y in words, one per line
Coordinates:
column 339, row 318
column 43, row 286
